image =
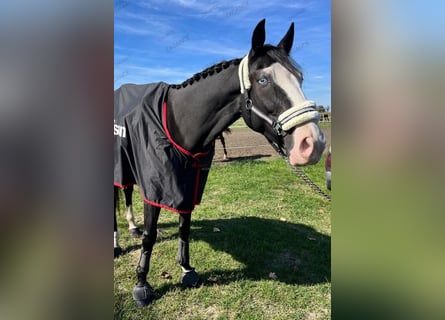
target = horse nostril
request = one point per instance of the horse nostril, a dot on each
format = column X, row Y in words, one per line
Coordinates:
column 306, row 147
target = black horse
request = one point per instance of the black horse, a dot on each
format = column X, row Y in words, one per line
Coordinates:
column 264, row 88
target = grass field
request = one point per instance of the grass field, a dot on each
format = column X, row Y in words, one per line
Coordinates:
column 260, row 241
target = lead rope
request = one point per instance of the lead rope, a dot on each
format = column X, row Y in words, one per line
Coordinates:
column 306, row 179
column 300, row 172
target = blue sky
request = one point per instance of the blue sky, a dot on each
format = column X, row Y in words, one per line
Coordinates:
column 170, row 40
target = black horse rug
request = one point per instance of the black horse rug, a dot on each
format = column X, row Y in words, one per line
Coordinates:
column 168, row 176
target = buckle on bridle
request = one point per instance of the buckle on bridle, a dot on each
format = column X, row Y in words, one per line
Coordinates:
column 249, row 104
column 276, row 126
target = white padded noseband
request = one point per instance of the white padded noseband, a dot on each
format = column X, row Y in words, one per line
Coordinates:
column 297, row 115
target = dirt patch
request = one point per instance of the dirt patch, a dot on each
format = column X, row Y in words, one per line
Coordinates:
column 243, row 143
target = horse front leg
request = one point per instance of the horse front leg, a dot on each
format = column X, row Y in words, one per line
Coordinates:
column 133, row 229
column 143, row 293
column 189, row 277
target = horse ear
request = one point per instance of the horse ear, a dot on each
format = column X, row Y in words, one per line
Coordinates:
column 288, row 39
column 259, row 36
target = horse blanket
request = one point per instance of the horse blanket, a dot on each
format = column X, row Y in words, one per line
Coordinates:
column 168, row 176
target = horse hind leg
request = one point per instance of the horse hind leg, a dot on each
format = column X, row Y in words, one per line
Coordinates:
column 133, row 229
column 189, row 277
column 223, row 143
column 117, row 247
column 143, row 293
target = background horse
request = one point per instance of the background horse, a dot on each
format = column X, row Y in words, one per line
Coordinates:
column 165, row 135
column 223, row 142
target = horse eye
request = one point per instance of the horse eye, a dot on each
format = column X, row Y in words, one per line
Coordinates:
column 262, row 81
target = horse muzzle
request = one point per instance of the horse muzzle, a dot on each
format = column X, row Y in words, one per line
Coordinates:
column 306, row 142
column 305, row 145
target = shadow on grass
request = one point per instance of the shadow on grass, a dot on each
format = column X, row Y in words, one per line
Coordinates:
column 296, row 253
column 244, row 158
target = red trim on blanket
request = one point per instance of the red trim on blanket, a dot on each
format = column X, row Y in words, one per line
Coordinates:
column 196, row 165
column 160, row 205
column 116, row 184
column 169, row 137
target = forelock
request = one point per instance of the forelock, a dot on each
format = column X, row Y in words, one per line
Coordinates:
column 270, row 54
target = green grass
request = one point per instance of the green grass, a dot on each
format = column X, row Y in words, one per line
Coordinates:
column 325, row 124
column 269, row 221
column 239, row 124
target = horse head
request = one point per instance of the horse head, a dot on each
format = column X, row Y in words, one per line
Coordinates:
column 275, row 105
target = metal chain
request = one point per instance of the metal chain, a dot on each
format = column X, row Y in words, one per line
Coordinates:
column 306, row 179
column 299, row 172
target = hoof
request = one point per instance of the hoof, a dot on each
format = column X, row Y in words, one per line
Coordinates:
column 190, row 279
column 135, row 232
column 117, row 251
column 143, row 295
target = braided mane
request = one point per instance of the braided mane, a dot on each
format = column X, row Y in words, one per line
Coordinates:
column 217, row 68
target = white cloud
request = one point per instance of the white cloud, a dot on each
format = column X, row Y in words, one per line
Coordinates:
column 139, row 74
column 130, row 29
column 208, row 47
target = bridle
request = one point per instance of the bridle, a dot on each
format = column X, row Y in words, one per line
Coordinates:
column 287, row 120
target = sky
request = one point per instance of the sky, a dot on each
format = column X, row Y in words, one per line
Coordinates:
column 170, row 40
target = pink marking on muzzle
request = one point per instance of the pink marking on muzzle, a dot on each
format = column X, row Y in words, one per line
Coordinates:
column 309, row 143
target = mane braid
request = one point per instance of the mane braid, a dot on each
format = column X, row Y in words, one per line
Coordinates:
column 216, row 68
